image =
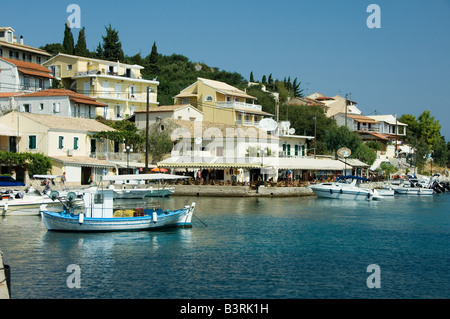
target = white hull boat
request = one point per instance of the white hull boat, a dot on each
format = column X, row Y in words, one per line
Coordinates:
column 413, row 191
column 342, row 189
column 97, row 214
column 28, row 205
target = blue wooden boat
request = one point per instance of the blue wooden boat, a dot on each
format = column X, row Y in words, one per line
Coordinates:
column 97, row 214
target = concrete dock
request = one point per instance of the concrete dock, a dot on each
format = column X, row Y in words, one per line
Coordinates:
column 240, row 191
column 4, row 293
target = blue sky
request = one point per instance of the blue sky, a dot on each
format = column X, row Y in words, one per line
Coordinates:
column 402, row 67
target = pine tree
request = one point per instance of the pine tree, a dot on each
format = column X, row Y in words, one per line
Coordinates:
column 80, row 47
column 112, row 47
column 68, row 42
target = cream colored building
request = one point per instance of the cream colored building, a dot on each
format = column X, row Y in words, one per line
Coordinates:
column 69, row 142
column 222, row 103
column 116, row 84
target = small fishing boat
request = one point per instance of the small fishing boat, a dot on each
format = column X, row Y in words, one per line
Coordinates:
column 97, row 214
column 21, row 203
column 129, row 190
column 346, row 187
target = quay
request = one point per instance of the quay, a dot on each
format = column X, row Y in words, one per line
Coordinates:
column 240, row 191
column 4, row 291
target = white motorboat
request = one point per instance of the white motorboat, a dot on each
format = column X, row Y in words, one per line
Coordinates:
column 21, row 203
column 347, row 188
column 97, row 214
column 414, row 187
column 141, row 191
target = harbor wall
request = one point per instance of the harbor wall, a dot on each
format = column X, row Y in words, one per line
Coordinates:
column 4, row 292
column 240, row 191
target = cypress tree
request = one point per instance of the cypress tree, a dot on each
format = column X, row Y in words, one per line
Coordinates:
column 80, row 47
column 153, row 67
column 68, row 42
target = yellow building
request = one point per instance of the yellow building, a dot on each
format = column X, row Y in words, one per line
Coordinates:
column 116, row 84
column 222, row 103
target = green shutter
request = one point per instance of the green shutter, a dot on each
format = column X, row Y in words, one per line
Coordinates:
column 75, row 143
column 61, row 142
column 296, row 150
column 32, row 142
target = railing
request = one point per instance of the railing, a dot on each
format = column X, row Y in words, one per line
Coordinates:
column 233, row 105
column 119, row 157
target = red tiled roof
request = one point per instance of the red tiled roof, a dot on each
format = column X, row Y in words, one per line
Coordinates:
column 30, row 68
column 10, row 94
column 73, row 96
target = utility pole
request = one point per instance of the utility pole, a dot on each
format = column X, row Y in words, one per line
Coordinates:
column 146, row 130
column 315, row 134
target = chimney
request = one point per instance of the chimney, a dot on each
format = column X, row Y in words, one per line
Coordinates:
column 21, row 39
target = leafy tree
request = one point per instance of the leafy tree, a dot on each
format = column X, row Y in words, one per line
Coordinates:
column 365, row 154
column 53, row 48
column 125, row 131
column 160, row 145
column 112, row 47
column 80, row 47
column 429, row 128
column 441, row 152
column 337, row 137
column 33, row 163
column 68, row 42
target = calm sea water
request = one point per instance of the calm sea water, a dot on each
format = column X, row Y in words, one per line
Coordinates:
column 266, row 248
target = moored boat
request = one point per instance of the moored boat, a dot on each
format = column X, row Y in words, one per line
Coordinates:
column 140, row 192
column 97, row 214
column 346, row 187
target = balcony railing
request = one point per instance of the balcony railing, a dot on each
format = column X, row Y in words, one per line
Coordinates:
column 233, row 105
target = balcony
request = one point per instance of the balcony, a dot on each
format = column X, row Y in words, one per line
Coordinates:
column 240, row 105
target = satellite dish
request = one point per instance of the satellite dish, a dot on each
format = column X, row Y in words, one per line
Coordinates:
column 198, row 140
column 268, row 125
column 292, row 131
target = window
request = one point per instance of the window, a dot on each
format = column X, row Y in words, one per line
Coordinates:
column 61, row 142
column 38, row 60
column 56, row 107
column 69, row 67
column 27, row 108
column 1, row 52
column 32, row 142
column 75, row 143
column 209, row 98
column 9, row 34
column 41, row 106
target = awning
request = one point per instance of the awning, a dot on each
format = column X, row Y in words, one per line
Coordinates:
column 6, row 131
column 82, row 161
column 209, row 165
column 311, row 164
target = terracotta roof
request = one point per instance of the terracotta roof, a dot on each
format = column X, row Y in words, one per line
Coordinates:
column 30, row 68
column 362, row 118
column 67, row 123
column 73, row 96
column 10, row 94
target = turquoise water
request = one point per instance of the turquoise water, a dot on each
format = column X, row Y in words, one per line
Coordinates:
column 266, row 248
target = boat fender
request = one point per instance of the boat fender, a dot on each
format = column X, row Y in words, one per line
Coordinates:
column 42, row 208
column 155, row 217
column 5, row 208
column 331, row 191
column 81, row 218
column 341, row 191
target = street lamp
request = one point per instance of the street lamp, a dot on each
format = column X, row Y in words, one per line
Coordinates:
column 262, row 153
column 128, row 150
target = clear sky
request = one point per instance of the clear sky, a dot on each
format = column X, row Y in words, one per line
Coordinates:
column 402, row 67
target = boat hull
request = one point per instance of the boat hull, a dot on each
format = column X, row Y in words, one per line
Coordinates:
column 65, row 222
column 24, row 207
column 413, row 191
column 346, row 192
